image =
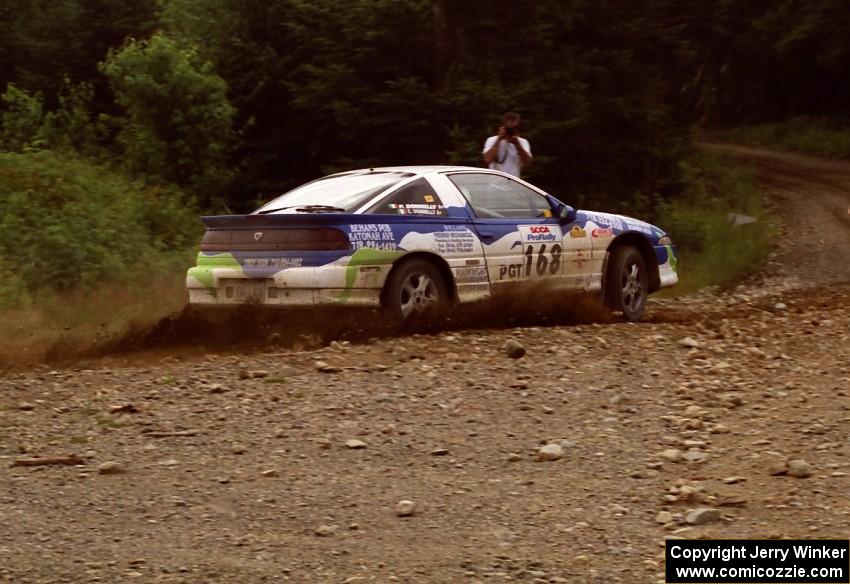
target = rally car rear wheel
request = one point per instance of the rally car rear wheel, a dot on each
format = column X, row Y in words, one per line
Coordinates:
column 415, row 289
column 627, row 283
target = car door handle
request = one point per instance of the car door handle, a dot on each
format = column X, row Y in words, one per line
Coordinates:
column 486, row 236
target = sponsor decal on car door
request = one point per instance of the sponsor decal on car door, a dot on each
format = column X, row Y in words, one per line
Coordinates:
column 542, row 247
column 521, row 250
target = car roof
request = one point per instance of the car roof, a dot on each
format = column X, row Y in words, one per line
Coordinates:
column 418, row 170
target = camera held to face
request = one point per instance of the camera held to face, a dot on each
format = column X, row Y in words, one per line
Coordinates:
column 510, row 132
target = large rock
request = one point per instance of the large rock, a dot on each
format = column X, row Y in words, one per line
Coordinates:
column 671, row 455
column 405, row 508
column 513, row 349
column 111, row 468
column 550, row 452
column 703, row 516
column 799, row 468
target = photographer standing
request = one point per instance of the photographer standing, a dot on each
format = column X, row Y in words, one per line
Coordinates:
column 506, row 151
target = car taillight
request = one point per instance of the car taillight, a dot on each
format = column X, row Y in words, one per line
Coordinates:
column 318, row 239
column 666, row 240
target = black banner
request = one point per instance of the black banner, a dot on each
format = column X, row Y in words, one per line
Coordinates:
column 758, row 561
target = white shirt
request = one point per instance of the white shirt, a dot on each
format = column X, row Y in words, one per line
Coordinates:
column 507, row 158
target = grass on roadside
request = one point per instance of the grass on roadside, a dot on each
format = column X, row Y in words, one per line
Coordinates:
column 73, row 323
column 712, row 250
column 85, row 252
column 805, row 135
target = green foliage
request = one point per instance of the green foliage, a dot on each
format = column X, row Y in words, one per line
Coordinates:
column 43, row 43
column 66, row 224
column 21, row 121
column 327, row 85
column 712, row 249
column 809, row 136
column 72, row 125
column 765, row 60
column 178, row 124
column 26, row 126
column 608, row 89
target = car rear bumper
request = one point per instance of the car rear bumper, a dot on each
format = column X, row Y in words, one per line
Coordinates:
column 234, row 294
column 220, row 280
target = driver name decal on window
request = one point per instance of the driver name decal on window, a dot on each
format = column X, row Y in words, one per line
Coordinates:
column 417, row 208
column 415, row 198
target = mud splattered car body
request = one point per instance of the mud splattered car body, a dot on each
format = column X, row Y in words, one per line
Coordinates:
column 473, row 233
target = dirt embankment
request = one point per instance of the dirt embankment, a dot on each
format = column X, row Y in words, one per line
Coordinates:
column 289, row 465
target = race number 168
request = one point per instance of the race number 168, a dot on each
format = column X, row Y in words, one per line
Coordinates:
column 544, row 263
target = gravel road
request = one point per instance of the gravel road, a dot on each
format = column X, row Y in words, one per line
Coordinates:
column 440, row 458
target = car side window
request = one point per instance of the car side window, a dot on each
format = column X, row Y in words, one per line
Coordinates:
column 416, row 198
column 493, row 196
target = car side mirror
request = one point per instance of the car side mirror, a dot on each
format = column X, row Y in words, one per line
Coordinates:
column 565, row 214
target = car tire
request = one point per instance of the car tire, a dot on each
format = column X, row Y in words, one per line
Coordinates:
column 627, row 283
column 416, row 291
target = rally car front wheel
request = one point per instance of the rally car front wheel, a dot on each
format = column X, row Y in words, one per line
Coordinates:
column 415, row 289
column 627, row 283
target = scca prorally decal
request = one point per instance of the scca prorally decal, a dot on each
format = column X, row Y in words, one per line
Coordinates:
column 540, row 233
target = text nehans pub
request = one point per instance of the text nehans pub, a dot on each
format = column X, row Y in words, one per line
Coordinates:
column 823, row 561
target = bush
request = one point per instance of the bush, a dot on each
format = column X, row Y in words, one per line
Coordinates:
column 65, row 224
column 178, row 123
column 21, row 121
column 73, row 125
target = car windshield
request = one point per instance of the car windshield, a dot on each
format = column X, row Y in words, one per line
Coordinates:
column 334, row 193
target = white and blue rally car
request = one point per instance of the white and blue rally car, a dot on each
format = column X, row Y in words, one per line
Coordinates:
column 419, row 238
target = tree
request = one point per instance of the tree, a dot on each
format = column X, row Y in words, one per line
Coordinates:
column 43, row 43
column 178, row 124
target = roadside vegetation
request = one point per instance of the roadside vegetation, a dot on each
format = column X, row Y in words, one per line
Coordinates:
column 818, row 137
column 85, row 252
column 66, row 224
column 714, row 251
